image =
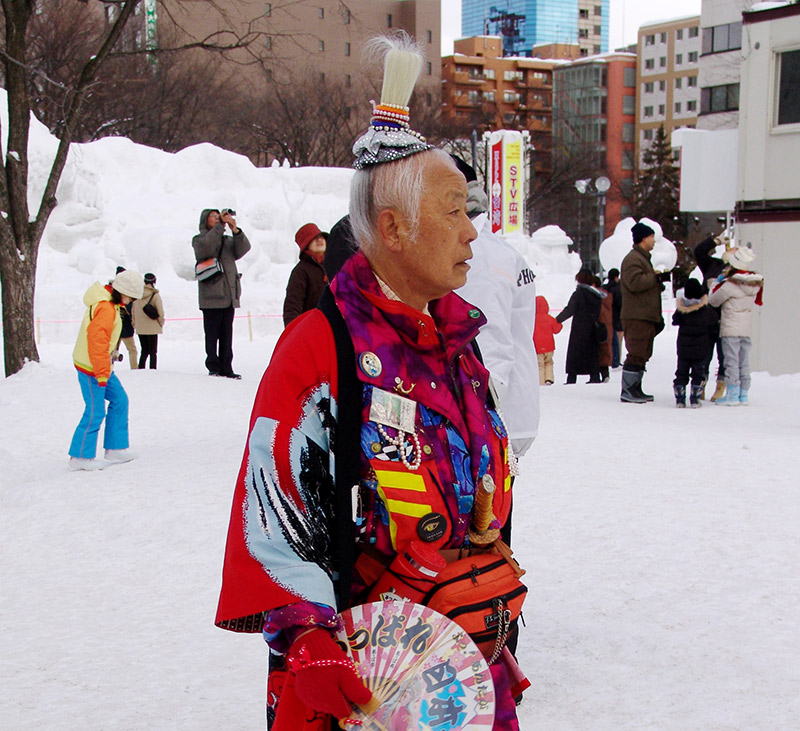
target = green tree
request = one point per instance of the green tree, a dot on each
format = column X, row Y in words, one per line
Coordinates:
column 657, row 187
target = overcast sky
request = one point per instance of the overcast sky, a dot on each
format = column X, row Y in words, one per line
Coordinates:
column 626, row 17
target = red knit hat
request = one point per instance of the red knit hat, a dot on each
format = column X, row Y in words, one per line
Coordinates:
column 306, row 234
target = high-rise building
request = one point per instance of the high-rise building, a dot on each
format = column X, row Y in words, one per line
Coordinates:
column 667, row 78
column 594, row 113
column 527, row 23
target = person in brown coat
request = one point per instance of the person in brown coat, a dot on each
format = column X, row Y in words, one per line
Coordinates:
column 148, row 328
column 641, row 311
column 606, row 319
column 307, row 280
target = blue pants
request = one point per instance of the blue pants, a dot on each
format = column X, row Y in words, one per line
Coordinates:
column 84, row 441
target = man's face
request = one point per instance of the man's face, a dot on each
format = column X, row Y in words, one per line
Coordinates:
column 436, row 261
column 213, row 219
column 648, row 242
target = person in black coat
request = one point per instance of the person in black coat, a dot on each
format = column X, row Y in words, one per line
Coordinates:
column 583, row 350
column 711, row 267
column 698, row 329
column 614, row 288
column 308, row 280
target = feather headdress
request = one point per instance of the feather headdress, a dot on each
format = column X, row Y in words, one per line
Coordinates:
column 390, row 136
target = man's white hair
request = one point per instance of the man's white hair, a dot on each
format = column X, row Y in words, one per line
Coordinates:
column 394, row 185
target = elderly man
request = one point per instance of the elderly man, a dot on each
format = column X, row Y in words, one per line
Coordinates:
column 641, row 311
column 357, row 460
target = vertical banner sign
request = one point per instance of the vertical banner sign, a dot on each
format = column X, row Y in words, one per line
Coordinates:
column 506, row 173
column 496, row 166
column 512, row 162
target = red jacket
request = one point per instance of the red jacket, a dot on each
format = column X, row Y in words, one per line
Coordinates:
column 546, row 326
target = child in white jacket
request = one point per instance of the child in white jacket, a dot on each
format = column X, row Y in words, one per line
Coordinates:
column 738, row 289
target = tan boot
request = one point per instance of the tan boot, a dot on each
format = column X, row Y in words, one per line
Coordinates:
column 720, row 391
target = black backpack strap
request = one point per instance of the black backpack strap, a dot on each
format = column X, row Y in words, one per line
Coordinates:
column 346, row 446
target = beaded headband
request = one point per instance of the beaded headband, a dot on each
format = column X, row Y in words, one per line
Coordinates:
column 389, row 136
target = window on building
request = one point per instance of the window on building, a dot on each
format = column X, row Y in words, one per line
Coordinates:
column 322, row 77
column 678, row 82
column 583, row 13
column 389, row 20
column 429, row 36
column 723, row 98
column 649, row 40
column 693, row 57
column 268, row 75
column 648, row 112
column 628, row 132
column 474, row 97
column 488, row 73
column 488, row 96
column 596, row 49
column 691, row 105
column 662, row 85
column 346, row 49
column 322, row 45
column 648, row 134
column 721, row 38
column 348, row 81
column 678, row 59
column 583, row 52
column 598, row 10
column 627, row 159
column 583, row 32
column 267, row 9
column 788, row 96
column 598, row 30
column 694, row 31
column 677, row 107
column 649, row 87
column 691, row 81
column 509, row 97
column 629, row 104
column 429, row 68
column 320, row 12
column 629, row 77
column 679, row 34
column 649, row 64
column 662, row 62
column 429, row 99
column 346, row 16
column 663, row 38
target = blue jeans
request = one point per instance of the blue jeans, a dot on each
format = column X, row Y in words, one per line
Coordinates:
column 84, row 441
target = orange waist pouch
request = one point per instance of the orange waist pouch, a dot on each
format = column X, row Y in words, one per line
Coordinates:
column 484, row 595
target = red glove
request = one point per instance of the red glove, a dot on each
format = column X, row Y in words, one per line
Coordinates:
column 325, row 678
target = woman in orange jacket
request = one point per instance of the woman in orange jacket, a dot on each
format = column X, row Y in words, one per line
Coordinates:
column 97, row 339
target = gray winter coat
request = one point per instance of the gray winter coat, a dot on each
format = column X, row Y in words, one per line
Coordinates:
column 223, row 290
column 736, row 296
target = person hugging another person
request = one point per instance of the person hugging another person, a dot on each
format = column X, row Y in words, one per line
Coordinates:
column 308, row 279
column 148, row 320
column 97, row 339
column 736, row 291
column 697, row 332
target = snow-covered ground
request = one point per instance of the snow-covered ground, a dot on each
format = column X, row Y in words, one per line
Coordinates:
column 661, row 545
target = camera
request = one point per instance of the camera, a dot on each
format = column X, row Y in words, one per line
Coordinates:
column 117, row 357
column 228, row 212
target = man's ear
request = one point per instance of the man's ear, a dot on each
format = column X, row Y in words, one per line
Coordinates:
column 391, row 229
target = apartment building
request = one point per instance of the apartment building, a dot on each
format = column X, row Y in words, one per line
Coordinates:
column 594, row 115
column 482, row 89
column 534, row 22
column 325, row 38
column 667, row 72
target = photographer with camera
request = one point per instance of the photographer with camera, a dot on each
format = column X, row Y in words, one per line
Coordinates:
column 641, row 311
column 219, row 293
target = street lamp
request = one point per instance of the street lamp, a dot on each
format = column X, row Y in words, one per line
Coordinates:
column 596, row 188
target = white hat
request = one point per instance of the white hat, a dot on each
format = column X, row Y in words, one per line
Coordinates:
column 129, row 283
column 742, row 258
